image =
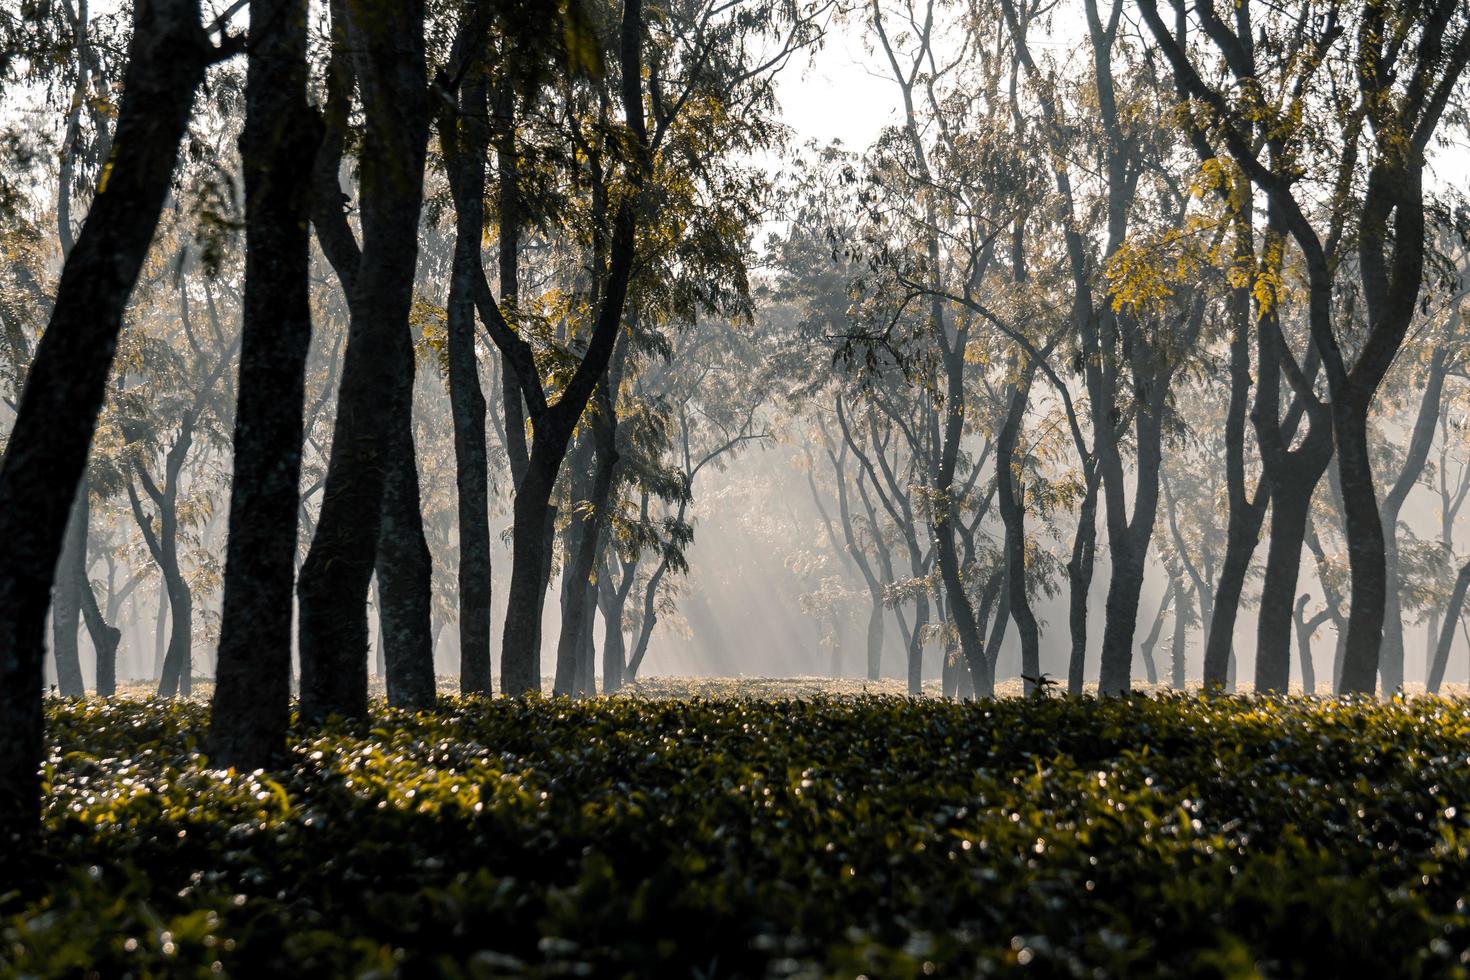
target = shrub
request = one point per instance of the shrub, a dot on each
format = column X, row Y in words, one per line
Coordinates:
column 738, row 837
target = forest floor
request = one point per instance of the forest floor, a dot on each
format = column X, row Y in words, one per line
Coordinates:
column 738, row 837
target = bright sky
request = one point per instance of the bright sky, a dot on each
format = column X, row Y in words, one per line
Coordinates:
column 840, row 95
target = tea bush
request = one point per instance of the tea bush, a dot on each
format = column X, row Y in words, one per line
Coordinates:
column 823, row 836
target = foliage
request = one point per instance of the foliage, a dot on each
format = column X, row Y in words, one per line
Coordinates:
column 740, row 837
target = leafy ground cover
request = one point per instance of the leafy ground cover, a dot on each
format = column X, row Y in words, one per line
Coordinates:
column 822, row 836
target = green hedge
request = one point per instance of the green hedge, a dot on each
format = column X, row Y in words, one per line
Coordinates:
column 717, row 838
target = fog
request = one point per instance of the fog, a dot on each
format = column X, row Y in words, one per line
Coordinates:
column 832, row 309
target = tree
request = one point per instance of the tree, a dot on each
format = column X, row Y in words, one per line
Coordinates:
column 1400, row 65
column 47, row 450
column 372, row 443
column 251, row 706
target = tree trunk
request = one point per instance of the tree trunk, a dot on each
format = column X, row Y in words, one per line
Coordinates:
column 109, row 638
column 251, row 708
column 576, row 633
column 66, row 604
column 1243, row 532
column 1304, row 630
column 1146, row 648
column 1011, row 498
column 1181, row 632
column 1364, row 530
column 961, row 613
column 520, row 666
column 1289, row 505
column 586, row 682
column 1079, row 584
column 387, row 43
column 465, row 138
column 405, row 569
column 47, row 450
column 614, row 651
column 1447, row 631
column 1391, row 658
column 521, row 647
column 576, row 566
column 1124, row 589
column 875, row 637
column 160, row 631
column 992, row 644
column 178, row 662
column 1431, row 642
column 1129, row 536
column 1244, row 513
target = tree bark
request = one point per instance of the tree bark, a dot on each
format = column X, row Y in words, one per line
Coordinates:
column 1010, row 496
column 47, row 450
column 1128, row 541
column 1177, row 651
column 1290, row 502
column 1146, row 648
column 107, row 639
column 1079, row 582
column 1391, row 657
column 405, row 569
column 66, row 603
column 1447, row 631
column 614, row 649
column 387, row 42
column 554, row 424
column 1304, row 630
column 465, row 138
column 580, row 544
column 251, row 708
column 1364, row 529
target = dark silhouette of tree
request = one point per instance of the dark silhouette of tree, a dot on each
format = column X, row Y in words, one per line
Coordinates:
column 251, row 705
column 47, row 450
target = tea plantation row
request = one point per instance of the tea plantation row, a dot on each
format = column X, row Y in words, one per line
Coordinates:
column 1170, row 836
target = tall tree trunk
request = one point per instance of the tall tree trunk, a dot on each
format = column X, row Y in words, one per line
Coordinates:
column 997, row 637
column 1290, row 501
column 465, row 138
column 1146, row 648
column 520, row 669
column 875, row 636
column 961, row 612
column 1079, row 582
column 178, row 662
column 251, row 708
column 577, row 566
column 576, row 627
column 106, row 648
column 1245, row 514
column 405, row 569
column 1129, row 534
column 66, row 603
column 1364, row 530
column 387, row 41
column 586, row 681
column 553, row 424
column 1304, row 630
column 1124, row 589
column 1391, row 657
column 1447, row 630
column 160, row 630
column 614, row 650
column 47, row 450
column 1181, row 633
column 1013, row 514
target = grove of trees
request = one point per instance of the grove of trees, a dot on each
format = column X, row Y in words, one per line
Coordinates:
column 333, row 331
